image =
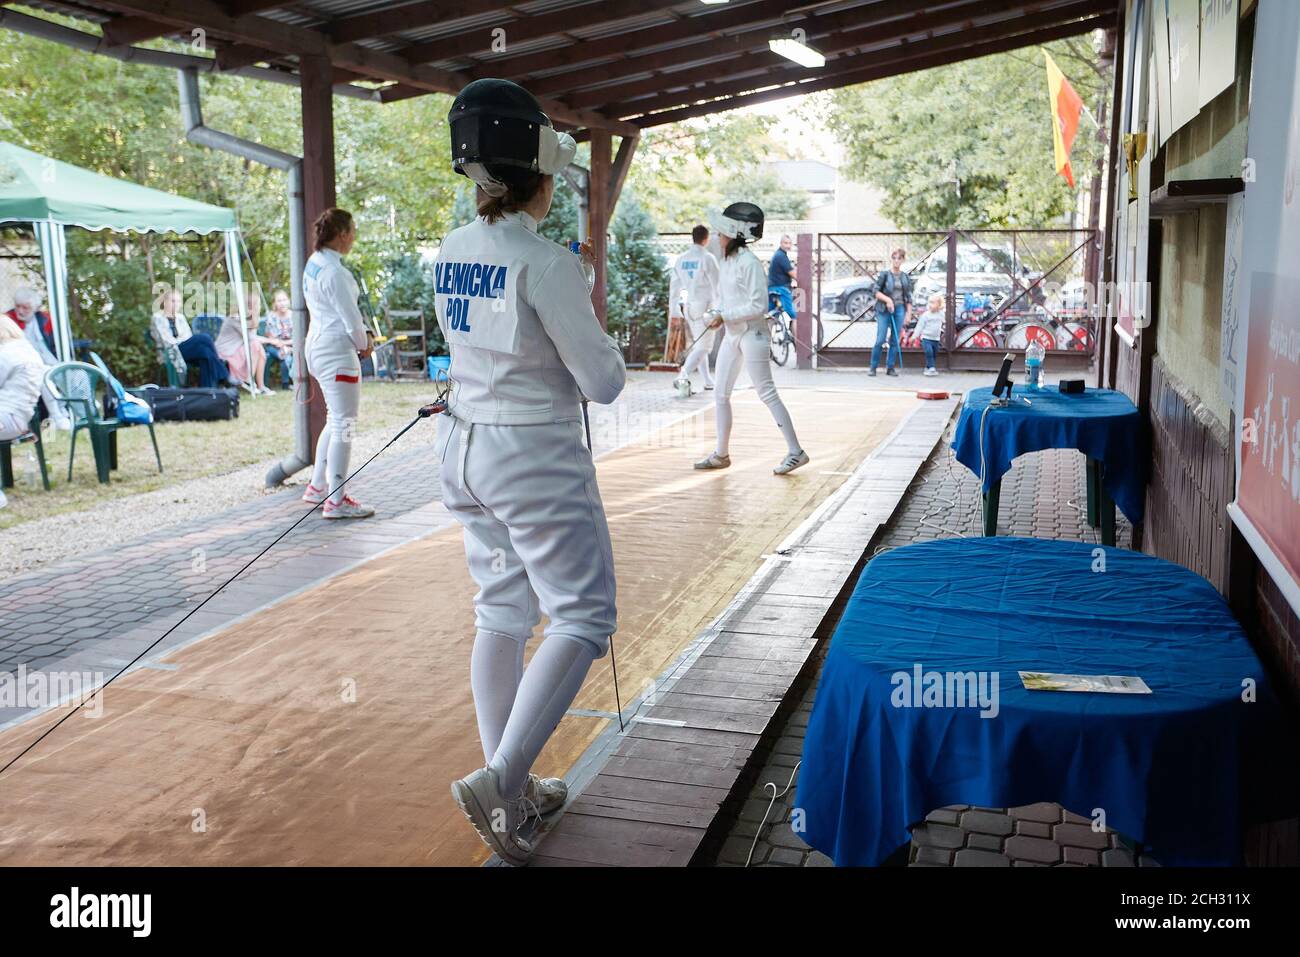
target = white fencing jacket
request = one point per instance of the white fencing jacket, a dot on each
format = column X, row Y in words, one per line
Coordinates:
column 743, row 286
column 696, row 272
column 21, row 375
column 337, row 326
column 516, row 312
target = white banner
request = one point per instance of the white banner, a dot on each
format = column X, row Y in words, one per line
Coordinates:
column 1218, row 48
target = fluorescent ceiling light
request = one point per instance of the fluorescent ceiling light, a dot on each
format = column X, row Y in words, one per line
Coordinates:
column 712, row 2
column 801, row 53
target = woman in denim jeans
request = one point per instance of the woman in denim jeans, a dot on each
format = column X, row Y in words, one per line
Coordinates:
column 893, row 309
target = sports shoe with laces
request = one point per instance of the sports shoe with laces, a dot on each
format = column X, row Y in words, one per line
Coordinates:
column 546, row 794
column 313, row 495
column 791, row 462
column 348, row 508
column 495, row 818
column 714, row 461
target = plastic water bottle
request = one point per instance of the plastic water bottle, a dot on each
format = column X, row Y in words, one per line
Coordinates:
column 31, row 470
column 1034, row 365
column 588, row 268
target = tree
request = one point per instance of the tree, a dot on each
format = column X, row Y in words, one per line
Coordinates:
column 968, row 144
column 637, row 295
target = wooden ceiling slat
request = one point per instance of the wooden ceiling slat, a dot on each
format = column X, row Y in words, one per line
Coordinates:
column 409, row 16
column 726, row 86
column 829, row 34
column 479, row 39
column 920, row 61
column 123, row 31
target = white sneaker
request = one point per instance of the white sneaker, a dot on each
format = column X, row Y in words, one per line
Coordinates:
column 714, row 461
column 931, row 371
column 4, row 500
column 791, row 462
column 313, row 495
column 546, row 794
column 265, row 391
column 496, row 819
column 348, row 508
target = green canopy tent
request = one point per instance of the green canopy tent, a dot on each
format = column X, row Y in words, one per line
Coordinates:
column 52, row 195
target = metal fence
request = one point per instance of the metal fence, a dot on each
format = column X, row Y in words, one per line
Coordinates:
column 1001, row 289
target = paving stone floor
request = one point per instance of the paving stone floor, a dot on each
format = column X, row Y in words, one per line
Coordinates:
column 1042, row 496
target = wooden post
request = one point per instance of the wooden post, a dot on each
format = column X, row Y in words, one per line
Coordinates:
column 317, row 78
column 803, row 324
column 599, row 208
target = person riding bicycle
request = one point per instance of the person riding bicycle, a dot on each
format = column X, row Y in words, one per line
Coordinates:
column 780, row 277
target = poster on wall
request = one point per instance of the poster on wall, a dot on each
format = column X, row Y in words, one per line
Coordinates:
column 1267, row 506
column 1184, row 60
column 1230, row 344
column 1218, row 59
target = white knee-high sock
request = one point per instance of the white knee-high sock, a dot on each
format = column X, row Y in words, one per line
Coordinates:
column 318, row 476
column 340, row 450
column 550, row 683
column 722, row 416
column 495, row 667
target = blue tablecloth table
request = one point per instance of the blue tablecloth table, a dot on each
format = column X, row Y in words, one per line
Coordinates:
column 1102, row 424
column 1180, row 770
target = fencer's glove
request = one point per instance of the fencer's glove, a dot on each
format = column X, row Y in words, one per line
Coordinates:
column 713, row 318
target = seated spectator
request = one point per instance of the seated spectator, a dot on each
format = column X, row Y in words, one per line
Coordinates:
column 170, row 329
column 35, row 324
column 230, row 346
column 22, row 374
column 38, row 329
column 279, row 335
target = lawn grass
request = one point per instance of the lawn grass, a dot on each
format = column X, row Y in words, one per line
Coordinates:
column 263, row 433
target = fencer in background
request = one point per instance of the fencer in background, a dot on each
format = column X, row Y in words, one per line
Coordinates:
column 526, row 346
column 693, row 291
column 747, row 342
column 336, row 343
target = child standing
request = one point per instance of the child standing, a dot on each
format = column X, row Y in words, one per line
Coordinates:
column 929, row 328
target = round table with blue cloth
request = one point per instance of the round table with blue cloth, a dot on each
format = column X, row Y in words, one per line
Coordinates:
column 1102, row 424
column 1180, row 770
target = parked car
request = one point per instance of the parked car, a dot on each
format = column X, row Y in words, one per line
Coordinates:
column 978, row 274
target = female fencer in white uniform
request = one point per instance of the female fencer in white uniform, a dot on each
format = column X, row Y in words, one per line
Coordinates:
column 526, row 346
column 336, row 343
column 695, row 279
column 743, row 310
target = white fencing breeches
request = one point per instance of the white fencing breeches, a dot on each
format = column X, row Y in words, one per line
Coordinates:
column 698, row 356
column 537, row 542
column 338, row 372
column 535, row 532
column 750, row 348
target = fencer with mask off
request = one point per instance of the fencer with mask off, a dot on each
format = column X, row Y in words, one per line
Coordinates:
column 693, row 291
column 526, row 347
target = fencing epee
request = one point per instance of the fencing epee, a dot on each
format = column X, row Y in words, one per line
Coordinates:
column 52, row 195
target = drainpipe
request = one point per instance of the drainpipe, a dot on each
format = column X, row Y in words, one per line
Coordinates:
column 196, row 132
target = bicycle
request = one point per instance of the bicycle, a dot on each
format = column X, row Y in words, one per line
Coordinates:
column 779, row 332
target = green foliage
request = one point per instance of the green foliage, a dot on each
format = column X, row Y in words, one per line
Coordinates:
column 969, row 144
column 408, row 284
column 638, row 292
column 677, row 170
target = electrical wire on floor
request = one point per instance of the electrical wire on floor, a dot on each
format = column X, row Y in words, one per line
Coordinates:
column 775, row 797
column 424, row 413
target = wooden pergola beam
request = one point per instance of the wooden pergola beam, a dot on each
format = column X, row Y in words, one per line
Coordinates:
column 750, row 50
column 284, row 39
column 123, row 31
column 234, row 56
column 899, row 55
column 854, row 77
column 478, row 40
column 705, row 25
column 410, row 16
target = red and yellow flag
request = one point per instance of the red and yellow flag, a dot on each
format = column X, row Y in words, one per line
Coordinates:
column 1066, row 107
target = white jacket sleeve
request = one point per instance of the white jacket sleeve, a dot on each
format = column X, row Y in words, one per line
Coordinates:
column 752, row 300
column 162, row 331
column 712, row 281
column 563, row 304
column 343, row 291
column 674, row 290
